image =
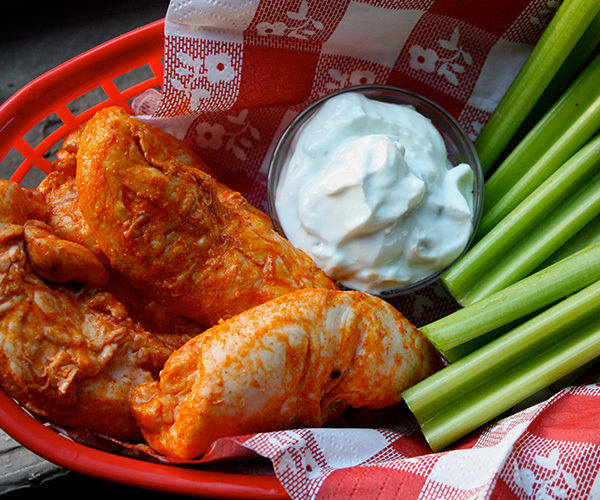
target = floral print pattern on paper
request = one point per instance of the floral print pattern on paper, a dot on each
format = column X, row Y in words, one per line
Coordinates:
column 428, row 60
column 423, row 59
column 553, row 481
column 195, row 71
column 218, row 68
column 301, row 25
column 341, row 80
column 237, row 137
column 209, row 136
column 543, row 16
column 276, row 29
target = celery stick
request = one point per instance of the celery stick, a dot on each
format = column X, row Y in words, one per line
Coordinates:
column 547, row 198
column 475, row 371
column 524, row 380
column 514, row 302
column 549, row 235
column 575, row 62
column 566, row 28
column 453, row 354
column 581, row 375
column 589, row 235
column 571, row 122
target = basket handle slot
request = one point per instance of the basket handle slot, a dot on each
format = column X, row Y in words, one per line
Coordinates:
column 114, row 95
column 158, row 69
column 32, row 156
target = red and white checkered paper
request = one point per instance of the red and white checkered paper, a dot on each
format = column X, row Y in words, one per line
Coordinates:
column 236, row 73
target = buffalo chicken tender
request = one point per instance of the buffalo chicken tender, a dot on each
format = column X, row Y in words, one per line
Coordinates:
column 66, row 156
column 60, row 260
column 60, row 188
column 178, row 235
column 298, row 360
column 68, row 353
column 66, row 221
column 64, row 215
column 19, row 204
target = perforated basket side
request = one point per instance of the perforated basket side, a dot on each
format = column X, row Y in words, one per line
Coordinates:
column 53, row 92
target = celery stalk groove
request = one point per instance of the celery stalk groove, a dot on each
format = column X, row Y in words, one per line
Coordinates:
column 516, row 301
column 479, row 381
column 569, row 124
column 573, row 65
column 490, row 250
column 589, row 235
column 513, row 387
column 564, row 31
column 543, row 240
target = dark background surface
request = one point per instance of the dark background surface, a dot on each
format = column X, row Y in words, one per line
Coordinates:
column 37, row 36
column 72, row 485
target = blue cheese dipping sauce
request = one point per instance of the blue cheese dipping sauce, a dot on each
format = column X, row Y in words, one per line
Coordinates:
column 369, row 193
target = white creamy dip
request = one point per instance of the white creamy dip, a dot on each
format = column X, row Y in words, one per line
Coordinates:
column 368, row 192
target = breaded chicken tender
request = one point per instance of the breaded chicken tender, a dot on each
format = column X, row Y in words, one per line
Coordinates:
column 191, row 244
column 298, row 360
column 68, row 353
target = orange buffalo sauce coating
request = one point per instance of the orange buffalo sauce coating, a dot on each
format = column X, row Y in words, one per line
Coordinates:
column 59, row 260
column 70, row 353
column 144, row 211
column 298, row 360
column 193, row 245
column 66, row 221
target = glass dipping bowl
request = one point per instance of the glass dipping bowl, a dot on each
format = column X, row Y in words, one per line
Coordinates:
column 459, row 147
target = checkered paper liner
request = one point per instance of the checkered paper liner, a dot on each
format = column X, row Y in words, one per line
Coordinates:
column 236, row 73
column 548, row 451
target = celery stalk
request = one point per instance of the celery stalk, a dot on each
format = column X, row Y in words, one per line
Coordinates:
column 566, row 28
column 575, row 62
column 569, row 124
column 549, row 235
column 453, row 354
column 481, row 259
column 486, row 373
column 515, row 301
column 459, row 352
column 427, row 397
column 538, row 372
column 589, row 235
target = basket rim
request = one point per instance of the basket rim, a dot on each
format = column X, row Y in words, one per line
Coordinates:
column 53, row 90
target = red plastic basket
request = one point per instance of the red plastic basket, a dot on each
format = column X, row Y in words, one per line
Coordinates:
column 48, row 94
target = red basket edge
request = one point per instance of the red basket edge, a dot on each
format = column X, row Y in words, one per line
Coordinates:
column 52, row 91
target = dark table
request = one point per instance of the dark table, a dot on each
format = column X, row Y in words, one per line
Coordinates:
column 72, row 485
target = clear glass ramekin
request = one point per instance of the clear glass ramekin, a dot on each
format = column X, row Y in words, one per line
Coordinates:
column 458, row 145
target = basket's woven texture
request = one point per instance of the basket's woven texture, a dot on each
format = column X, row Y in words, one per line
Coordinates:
column 235, row 74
